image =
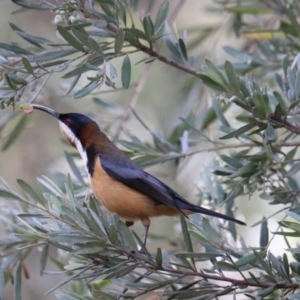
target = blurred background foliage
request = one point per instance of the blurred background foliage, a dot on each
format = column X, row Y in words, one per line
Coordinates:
column 205, row 94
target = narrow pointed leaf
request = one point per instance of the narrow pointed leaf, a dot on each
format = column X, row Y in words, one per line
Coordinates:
column 30, row 191
column 119, row 41
column 70, row 38
column 126, row 72
column 161, row 16
column 18, row 282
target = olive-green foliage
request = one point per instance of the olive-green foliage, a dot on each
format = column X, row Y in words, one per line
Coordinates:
column 259, row 92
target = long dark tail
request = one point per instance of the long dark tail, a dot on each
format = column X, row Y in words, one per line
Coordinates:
column 201, row 210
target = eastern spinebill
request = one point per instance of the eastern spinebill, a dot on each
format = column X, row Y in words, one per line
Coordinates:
column 117, row 182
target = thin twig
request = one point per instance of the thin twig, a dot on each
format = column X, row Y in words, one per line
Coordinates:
column 285, row 124
column 230, row 146
column 235, row 282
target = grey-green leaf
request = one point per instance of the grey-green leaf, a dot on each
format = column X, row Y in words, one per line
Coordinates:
column 86, row 90
column 231, row 76
column 32, row 5
column 30, row 191
column 18, row 282
column 70, row 38
column 126, row 72
column 293, row 170
column 264, row 233
column 161, row 16
column 270, row 133
column 27, row 65
column 95, row 46
column 119, row 41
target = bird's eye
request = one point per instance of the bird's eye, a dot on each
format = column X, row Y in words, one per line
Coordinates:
column 67, row 121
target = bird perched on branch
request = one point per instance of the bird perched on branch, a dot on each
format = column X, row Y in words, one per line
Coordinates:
column 117, row 182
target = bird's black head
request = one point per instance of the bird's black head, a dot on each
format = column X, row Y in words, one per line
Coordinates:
column 71, row 124
column 75, row 122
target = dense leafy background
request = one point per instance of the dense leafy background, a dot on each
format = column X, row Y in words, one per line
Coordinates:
column 227, row 128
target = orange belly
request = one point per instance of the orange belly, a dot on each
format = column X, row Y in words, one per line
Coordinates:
column 128, row 203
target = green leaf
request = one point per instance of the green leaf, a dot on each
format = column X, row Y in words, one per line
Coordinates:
column 245, row 260
column 214, row 73
column 264, row 233
column 27, row 65
column 31, row 192
column 18, row 282
column 294, row 104
column 200, row 238
column 95, row 46
column 9, row 82
column 259, row 102
column 44, row 257
column 126, row 235
column 126, row 72
column 86, row 90
column 183, row 50
column 186, row 236
column 113, row 234
column 120, row 272
column 148, row 27
column 212, row 83
column 247, row 9
column 9, row 195
column 270, row 133
column 158, row 257
column 51, row 55
column 161, row 16
column 280, row 101
column 245, row 171
column 293, row 170
column 84, row 68
column 225, row 266
column 32, row 5
column 231, row 76
column 89, row 248
column 34, row 40
column 68, row 279
column 231, row 161
column 263, row 264
column 119, row 41
column 219, row 112
column 70, row 38
column 81, row 35
column 14, row 48
column 286, row 265
column 240, row 131
column 137, row 33
column 234, row 193
column 15, row 132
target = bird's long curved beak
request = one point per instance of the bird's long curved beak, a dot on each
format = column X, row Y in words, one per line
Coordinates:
column 46, row 109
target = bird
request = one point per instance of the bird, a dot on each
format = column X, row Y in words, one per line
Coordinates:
column 117, row 182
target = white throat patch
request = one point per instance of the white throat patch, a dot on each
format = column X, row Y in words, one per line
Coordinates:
column 72, row 139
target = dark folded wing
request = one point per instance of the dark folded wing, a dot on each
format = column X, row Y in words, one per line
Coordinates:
column 125, row 171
